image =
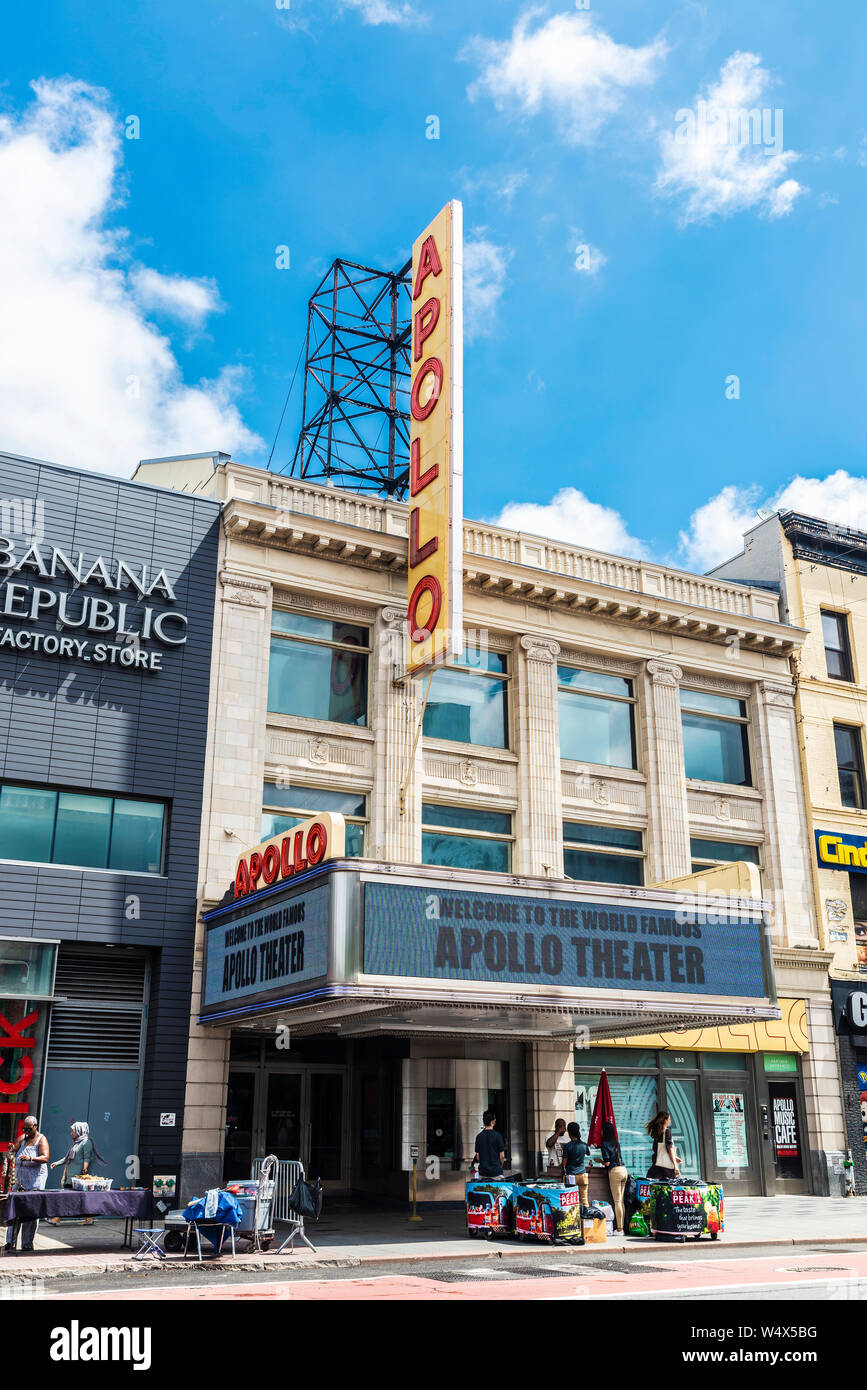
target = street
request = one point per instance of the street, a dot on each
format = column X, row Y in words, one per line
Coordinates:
column 814, row 1272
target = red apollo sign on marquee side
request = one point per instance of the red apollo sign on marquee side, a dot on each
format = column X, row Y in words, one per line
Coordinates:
column 302, row 847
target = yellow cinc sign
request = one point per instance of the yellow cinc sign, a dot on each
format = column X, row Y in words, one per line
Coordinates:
column 435, row 608
column 842, row 851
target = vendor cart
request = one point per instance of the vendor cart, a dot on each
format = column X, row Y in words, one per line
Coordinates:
column 490, row 1207
column 687, row 1210
column 549, row 1211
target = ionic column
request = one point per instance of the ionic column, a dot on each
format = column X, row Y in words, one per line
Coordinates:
column 539, row 819
column 396, row 820
column 788, row 849
column 668, row 853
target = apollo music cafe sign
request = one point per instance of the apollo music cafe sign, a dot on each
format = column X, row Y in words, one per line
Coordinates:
column 435, row 616
column 304, row 846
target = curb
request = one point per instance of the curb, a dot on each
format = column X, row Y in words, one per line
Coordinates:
column 24, row 1274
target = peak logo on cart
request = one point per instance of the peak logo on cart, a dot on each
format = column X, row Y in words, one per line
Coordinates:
column 571, row 1199
column 77, row 1343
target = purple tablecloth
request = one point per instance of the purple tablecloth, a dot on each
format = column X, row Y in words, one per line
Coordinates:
column 37, row 1206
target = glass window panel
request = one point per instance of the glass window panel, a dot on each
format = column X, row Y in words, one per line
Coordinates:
column 847, row 742
column 83, row 830
column 317, row 682
column 596, row 730
column 629, row 1057
column 602, row 868
column 715, row 750
column 26, row 823
column 466, row 818
column 463, row 852
column 724, row 1061
column 314, row 799
column 835, row 634
column 467, row 708
column 723, row 850
column 301, row 625
column 712, row 704
column 26, row 970
column 679, row 1059
column 137, row 836
column 479, row 658
column 635, row 1102
column 278, row 822
column 681, row 1100
column 601, row 835
column 594, row 681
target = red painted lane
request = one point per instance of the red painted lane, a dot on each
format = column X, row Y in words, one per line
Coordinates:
column 696, row 1276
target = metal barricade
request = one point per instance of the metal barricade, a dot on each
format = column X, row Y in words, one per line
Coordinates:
column 289, row 1171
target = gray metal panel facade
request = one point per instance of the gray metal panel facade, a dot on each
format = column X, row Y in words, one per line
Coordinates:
column 67, row 724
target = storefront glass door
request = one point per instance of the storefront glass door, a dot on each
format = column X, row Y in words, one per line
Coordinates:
column 732, row 1153
column 298, row 1114
column 681, row 1099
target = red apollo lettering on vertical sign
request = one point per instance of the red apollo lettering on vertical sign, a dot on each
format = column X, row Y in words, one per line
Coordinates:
column 434, row 595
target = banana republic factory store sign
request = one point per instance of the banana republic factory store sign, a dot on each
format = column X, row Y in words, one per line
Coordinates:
column 321, row 941
column 50, row 603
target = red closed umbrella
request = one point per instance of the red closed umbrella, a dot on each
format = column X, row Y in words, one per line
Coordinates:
column 603, row 1112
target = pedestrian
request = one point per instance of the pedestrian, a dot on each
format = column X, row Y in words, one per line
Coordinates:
column 575, row 1154
column 665, row 1163
column 76, row 1161
column 490, row 1148
column 554, row 1144
column 612, row 1160
column 31, row 1171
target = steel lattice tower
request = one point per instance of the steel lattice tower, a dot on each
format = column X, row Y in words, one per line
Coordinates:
column 355, row 423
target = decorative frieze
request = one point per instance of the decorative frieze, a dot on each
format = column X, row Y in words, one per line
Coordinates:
column 724, row 808
column 320, row 752
column 329, row 607
column 470, row 772
column 251, row 593
column 604, row 792
column 616, row 666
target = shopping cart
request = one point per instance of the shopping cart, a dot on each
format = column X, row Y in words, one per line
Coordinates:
column 255, row 1196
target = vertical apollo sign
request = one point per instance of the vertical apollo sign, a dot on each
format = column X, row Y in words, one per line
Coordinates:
column 435, row 611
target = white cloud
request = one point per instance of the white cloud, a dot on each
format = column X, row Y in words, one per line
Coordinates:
column 716, row 529
column 567, row 64
column 85, row 379
column 485, row 268
column 571, row 516
column 188, row 300
column 510, row 185
column 726, row 154
column 384, row 12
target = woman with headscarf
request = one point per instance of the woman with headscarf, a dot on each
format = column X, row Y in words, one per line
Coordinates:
column 77, row 1160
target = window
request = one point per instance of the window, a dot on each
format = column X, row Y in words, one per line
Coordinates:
column 850, row 765
column 597, row 717
column 706, row 854
column 288, row 806
column 82, row 829
column 838, row 656
column 461, row 837
column 469, row 702
column 602, row 853
column 318, row 668
column 716, row 744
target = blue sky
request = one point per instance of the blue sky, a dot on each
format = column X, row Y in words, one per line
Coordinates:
column 148, row 317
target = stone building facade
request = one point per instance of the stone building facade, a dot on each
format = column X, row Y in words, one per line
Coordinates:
column 615, row 725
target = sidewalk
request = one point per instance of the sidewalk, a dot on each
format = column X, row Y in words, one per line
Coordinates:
column 349, row 1236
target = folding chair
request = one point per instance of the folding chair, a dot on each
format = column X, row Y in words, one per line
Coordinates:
column 210, row 1222
column 149, row 1242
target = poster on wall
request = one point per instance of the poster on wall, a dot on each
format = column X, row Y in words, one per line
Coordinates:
column 787, row 1138
column 730, row 1129
column 862, row 1095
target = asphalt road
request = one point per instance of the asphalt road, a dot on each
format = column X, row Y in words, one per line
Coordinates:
column 806, row 1273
